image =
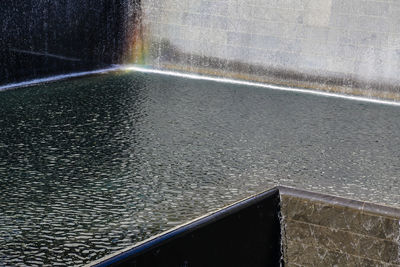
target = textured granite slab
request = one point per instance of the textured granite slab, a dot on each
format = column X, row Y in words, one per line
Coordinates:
column 326, row 230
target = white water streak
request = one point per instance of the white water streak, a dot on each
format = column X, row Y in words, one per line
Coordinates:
column 198, row 77
column 268, row 86
column 56, row 78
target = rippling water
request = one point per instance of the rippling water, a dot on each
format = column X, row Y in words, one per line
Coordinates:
column 92, row 165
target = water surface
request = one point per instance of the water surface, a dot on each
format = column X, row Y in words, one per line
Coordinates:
column 91, row 165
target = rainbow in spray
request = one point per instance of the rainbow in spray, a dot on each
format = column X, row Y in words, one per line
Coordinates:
column 137, row 46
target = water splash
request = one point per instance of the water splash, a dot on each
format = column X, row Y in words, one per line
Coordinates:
column 282, row 220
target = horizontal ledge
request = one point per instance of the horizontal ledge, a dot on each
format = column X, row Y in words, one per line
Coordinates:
column 365, row 207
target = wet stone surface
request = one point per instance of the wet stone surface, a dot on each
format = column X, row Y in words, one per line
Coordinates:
column 92, row 165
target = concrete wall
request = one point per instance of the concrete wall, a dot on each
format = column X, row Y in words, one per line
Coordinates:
column 43, row 38
column 339, row 45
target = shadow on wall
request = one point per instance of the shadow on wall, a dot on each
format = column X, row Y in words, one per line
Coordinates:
column 42, row 38
column 163, row 54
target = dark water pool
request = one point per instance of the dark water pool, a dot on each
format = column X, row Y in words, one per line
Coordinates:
column 92, row 165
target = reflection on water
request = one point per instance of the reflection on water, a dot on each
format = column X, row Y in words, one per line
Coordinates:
column 92, row 165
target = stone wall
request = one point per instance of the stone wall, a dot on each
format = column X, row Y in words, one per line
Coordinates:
column 338, row 45
column 322, row 230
